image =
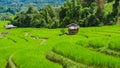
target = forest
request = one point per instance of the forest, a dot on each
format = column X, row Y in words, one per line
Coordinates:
column 9, row 8
column 84, row 13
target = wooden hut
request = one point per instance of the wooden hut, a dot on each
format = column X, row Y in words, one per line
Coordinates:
column 73, row 28
column 10, row 26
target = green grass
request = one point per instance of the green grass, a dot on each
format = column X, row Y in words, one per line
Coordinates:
column 114, row 44
column 83, row 55
column 29, row 46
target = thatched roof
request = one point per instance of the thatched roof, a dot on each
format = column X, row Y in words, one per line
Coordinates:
column 73, row 26
column 9, row 26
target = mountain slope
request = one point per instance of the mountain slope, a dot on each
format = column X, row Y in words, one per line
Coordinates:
column 6, row 2
column 14, row 6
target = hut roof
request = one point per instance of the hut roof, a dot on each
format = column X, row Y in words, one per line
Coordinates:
column 73, row 28
column 10, row 26
column 73, row 24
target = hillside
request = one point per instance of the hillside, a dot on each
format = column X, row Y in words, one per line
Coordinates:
column 14, row 6
column 30, row 1
column 92, row 47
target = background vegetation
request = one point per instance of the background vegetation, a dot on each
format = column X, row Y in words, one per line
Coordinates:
column 11, row 7
column 85, row 13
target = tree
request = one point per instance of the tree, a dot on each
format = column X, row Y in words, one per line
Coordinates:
column 50, row 17
column 70, row 12
column 26, row 19
column 116, row 8
column 110, row 1
column 88, row 3
column 100, row 8
column 31, row 10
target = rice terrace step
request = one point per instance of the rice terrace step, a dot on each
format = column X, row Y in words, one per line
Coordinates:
column 66, row 51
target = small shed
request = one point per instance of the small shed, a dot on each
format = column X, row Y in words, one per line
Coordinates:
column 10, row 26
column 73, row 28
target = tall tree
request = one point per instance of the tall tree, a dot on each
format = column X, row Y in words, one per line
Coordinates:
column 31, row 10
column 87, row 3
column 116, row 8
column 70, row 12
column 100, row 7
column 49, row 16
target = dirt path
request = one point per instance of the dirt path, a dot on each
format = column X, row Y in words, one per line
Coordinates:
column 10, row 63
column 3, row 34
column 64, row 61
column 26, row 33
column 43, row 41
column 0, row 36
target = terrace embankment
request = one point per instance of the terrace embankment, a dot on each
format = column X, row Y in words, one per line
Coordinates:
column 10, row 63
column 64, row 61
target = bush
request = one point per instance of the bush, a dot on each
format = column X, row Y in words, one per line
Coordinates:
column 92, row 20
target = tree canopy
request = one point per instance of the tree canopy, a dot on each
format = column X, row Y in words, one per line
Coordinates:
column 82, row 12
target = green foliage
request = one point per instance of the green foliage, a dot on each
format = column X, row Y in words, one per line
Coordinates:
column 2, row 9
column 108, row 8
column 3, row 23
column 110, row 1
column 22, row 5
column 115, row 10
column 87, row 3
column 78, row 12
column 50, row 17
column 31, row 10
column 95, row 21
column 84, row 13
column 46, row 18
column 115, row 7
column 6, row 16
column 70, row 12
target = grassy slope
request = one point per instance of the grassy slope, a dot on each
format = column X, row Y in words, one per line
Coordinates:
column 83, row 55
column 28, row 52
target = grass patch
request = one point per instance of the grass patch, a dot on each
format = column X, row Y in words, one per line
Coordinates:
column 83, row 55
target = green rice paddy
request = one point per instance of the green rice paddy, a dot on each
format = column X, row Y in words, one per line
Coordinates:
column 92, row 47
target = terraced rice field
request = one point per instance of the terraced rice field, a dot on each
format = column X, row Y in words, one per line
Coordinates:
column 92, row 47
